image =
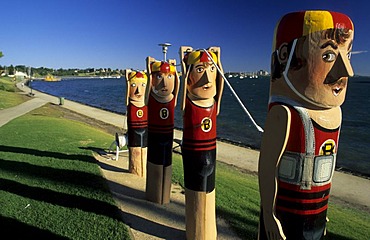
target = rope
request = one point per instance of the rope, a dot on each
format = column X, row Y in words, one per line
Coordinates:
column 234, row 93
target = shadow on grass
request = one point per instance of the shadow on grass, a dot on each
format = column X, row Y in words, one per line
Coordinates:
column 153, row 228
column 61, row 199
column 41, row 153
column 49, row 176
column 244, row 227
column 64, row 176
column 18, row 230
column 333, row 236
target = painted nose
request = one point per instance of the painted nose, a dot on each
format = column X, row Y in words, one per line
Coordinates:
column 342, row 66
column 207, row 77
column 138, row 90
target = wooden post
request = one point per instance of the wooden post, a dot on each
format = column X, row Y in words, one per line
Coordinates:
column 202, row 91
column 164, row 87
column 309, row 75
column 137, row 120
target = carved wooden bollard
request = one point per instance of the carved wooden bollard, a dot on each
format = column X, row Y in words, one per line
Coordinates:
column 309, row 76
column 137, row 120
column 202, row 91
column 164, row 83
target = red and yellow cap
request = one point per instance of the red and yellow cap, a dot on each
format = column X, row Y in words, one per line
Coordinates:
column 132, row 76
column 199, row 56
column 163, row 67
column 298, row 24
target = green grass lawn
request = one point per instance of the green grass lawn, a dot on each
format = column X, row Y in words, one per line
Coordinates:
column 237, row 200
column 7, row 97
column 50, row 185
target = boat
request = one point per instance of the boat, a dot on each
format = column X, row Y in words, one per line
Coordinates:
column 51, row 78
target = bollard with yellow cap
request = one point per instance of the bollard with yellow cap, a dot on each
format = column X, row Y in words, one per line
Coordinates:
column 137, row 120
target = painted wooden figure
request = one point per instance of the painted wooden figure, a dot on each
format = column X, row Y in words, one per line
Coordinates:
column 202, row 91
column 137, row 120
column 310, row 70
column 164, row 82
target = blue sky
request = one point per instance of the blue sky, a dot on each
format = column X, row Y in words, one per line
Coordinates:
column 122, row 33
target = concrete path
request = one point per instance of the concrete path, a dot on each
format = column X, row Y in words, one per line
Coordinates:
column 9, row 114
column 150, row 221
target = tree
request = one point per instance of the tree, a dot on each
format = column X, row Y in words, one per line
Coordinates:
column 1, row 54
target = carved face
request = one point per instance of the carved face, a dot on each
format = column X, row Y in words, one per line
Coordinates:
column 137, row 90
column 163, row 84
column 323, row 66
column 202, row 80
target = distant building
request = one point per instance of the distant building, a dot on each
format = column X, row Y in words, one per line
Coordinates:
column 20, row 76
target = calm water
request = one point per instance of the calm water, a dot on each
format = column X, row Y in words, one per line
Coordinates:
column 233, row 124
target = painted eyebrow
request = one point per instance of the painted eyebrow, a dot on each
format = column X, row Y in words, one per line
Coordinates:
column 329, row 43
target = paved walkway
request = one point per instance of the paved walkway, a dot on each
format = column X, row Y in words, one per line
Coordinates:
column 150, row 221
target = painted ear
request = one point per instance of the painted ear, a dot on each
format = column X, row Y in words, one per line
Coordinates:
column 275, row 66
column 279, row 59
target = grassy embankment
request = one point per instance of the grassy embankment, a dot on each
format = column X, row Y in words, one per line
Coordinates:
column 7, row 97
column 52, row 187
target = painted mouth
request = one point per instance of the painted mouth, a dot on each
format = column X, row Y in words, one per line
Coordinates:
column 206, row 87
column 337, row 90
column 337, row 86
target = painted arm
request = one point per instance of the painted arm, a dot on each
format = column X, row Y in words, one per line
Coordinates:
column 177, row 80
column 182, row 52
column 273, row 144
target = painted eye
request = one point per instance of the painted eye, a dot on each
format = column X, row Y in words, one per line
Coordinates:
column 213, row 68
column 143, row 84
column 200, row 69
column 133, row 84
column 170, row 76
column 329, row 57
column 159, row 77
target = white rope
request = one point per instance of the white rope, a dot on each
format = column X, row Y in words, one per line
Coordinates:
column 236, row 95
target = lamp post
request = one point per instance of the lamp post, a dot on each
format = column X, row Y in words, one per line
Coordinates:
column 164, row 49
column 30, row 85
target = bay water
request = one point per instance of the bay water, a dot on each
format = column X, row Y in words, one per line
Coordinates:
column 233, row 124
